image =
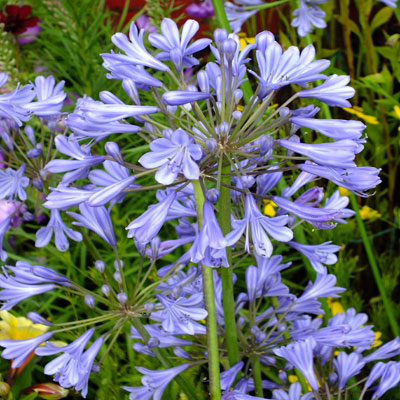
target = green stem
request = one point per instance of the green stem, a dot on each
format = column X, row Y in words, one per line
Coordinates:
column 209, row 302
column 374, row 267
column 257, row 378
column 228, row 300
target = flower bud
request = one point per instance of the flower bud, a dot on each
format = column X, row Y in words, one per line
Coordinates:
column 220, row 35
column 237, row 115
column 48, row 391
column 38, row 183
column 203, row 81
column 38, row 319
column 282, row 376
column 130, row 89
column 106, row 290
column 211, row 144
column 89, row 300
column 229, row 48
column 35, row 152
column 113, row 151
column 4, row 389
column 237, row 96
column 100, row 266
column 119, row 265
column 117, row 276
column 122, row 297
column 212, row 195
column 141, row 248
column 30, row 134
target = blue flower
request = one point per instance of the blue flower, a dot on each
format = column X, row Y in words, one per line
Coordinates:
column 209, row 245
column 135, row 51
column 81, row 164
column 388, row 350
column 4, row 225
column 50, row 97
column 300, row 354
column 56, row 225
column 357, row 179
column 63, row 197
column 19, row 350
column 389, row 374
column 73, row 367
column 176, row 49
column 347, row 366
column 237, row 15
column 154, row 382
column 98, row 220
column 181, row 97
column 12, row 104
column 173, row 154
column 178, row 315
column 228, row 376
column 306, row 18
column 115, row 180
column 319, row 254
column 334, row 128
column 293, row 394
column 278, row 68
column 334, row 91
column 86, row 128
column 339, row 154
column 13, row 183
column 260, row 226
column 146, row 227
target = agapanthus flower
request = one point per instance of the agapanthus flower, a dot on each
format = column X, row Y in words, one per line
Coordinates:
column 98, row 220
column 146, row 227
column 179, row 315
column 300, row 354
column 260, row 227
column 174, row 154
column 389, row 374
column 135, row 51
column 154, row 382
column 294, row 393
column 307, row 17
column 347, row 366
column 81, row 163
column 60, row 230
column 19, row 350
column 13, row 183
column 318, row 255
column 209, row 245
column 50, row 97
column 278, row 68
column 334, row 91
column 176, row 48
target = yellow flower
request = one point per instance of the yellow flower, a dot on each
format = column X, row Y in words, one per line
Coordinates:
column 377, row 342
column 239, row 107
column 369, row 213
column 335, row 306
column 269, row 209
column 19, row 328
column 343, row 191
column 244, row 40
column 370, row 119
column 396, row 111
column 293, row 378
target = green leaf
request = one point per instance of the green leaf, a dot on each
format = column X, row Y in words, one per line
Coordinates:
column 381, row 17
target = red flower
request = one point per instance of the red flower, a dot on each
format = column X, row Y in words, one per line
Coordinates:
column 15, row 18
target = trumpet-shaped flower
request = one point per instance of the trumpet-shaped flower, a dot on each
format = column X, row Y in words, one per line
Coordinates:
column 154, row 382
column 300, row 354
column 334, row 91
column 56, row 226
column 278, row 68
column 176, row 48
column 19, row 350
column 173, row 154
column 13, row 183
column 260, row 227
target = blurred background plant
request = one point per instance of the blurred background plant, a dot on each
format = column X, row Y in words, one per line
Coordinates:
column 362, row 39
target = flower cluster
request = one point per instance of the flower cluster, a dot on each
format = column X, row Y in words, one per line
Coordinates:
column 215, row 159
